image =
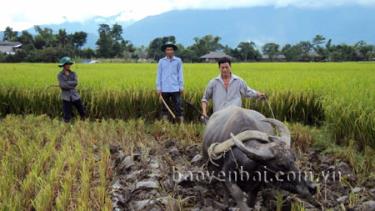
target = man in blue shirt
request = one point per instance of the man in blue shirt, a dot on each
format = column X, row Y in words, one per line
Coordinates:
column 170, row 81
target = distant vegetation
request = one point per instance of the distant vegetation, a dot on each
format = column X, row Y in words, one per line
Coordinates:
column 47, row 46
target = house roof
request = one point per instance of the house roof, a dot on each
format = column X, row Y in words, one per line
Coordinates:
column 5, row 49
column 8, row 47
column 314, row 54
column 277, row 56
column 11, row 44
column 215, row 55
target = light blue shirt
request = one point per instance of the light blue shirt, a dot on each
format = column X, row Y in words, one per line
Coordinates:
column 170, row 75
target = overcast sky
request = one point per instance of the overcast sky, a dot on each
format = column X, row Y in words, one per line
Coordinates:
column 22, row 14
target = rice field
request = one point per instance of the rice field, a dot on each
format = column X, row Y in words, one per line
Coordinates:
column 339, row 96
column 49, row 165
column 65, row 175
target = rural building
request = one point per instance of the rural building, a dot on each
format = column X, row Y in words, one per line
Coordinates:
column 278, row 57
column 314, row 56
column 9, row 47
column 214, row 56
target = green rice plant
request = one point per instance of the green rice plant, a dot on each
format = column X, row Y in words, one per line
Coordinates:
column 354, row 199
column 336, row 95
column 104, row 202
column 279, row 200
column 297, row 206
column 64, row 196
column 41, row 161
column 85, row 179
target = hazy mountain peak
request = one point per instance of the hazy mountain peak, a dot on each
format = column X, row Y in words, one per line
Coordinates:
column 258, row 24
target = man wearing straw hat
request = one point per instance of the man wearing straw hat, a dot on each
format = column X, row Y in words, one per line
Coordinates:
column 170, row 82
column 69, row 95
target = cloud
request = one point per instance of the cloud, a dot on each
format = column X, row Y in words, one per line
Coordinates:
column 22, row 14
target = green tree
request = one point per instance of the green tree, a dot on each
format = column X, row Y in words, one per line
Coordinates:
column 9, row 34
column 154, row 47
column 140, row 53
column 118, row 42
column 318, row 40
column 317, row 43
column 247, row 51
column 205, row 44
column 87, row 53
column 343, row 52
column 186, row 54
column 111, row 42
column 233, row 52
column 79, row 39
column 302, row 51
column 44, row 38
column 27, row 40
column 104, row 42
column 291, row 52
column 364, row 51
column 328, row 50
column 271, row 50
column 128, row 49
column 62, row 38
column 305, row 48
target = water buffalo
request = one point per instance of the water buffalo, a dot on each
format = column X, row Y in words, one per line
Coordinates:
column 261, row 158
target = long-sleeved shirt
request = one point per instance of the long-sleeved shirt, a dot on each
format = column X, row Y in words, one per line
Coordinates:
column 170, row 75
column 222, row 97
column 68, row 85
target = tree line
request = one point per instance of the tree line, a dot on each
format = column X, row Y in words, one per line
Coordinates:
column 48, row 46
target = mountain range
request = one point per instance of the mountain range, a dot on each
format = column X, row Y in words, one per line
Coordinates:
column 259, row 24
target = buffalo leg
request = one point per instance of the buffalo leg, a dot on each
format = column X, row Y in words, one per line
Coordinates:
column 252, row 196
column 231, row 184
column 237, row 195
column 226, row 195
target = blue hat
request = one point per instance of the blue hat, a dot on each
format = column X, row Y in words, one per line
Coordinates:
column 65, row 60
